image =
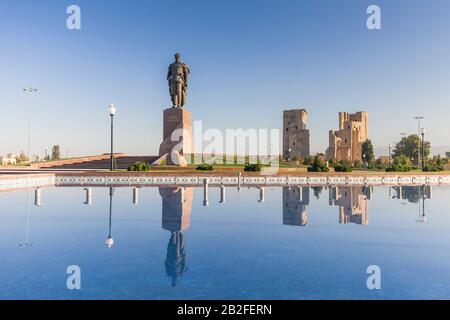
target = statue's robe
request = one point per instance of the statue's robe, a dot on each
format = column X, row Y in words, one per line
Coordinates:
column 177, row 76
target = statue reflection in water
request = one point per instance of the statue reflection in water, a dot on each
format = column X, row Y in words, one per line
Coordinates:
column 176, row 211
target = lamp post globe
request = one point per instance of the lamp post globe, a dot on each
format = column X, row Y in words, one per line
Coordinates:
column 109, row 242
column 112, row 110
column 423, row 131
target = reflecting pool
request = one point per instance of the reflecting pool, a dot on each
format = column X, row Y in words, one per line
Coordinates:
column 224, row 243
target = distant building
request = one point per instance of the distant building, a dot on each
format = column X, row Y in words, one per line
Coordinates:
column 352, row 203
column 9, row 160
column 345, row 144
column 295, row 134
column 295, row 202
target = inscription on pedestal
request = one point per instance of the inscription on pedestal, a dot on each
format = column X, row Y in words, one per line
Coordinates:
column 177, row 134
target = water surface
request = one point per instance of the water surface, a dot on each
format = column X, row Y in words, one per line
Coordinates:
column 274, row 243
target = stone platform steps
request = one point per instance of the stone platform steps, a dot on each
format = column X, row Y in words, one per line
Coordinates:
column 100, row 163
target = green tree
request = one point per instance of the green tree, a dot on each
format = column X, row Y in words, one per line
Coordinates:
column 435, row 164
column 56, row 152
column 368, row 156
column 307, row 160
column 381, row 163
column 343, row 166
column 357, row 164
column 409, row 147
column 447, row 154
column 205, row 167
column 332, row 162
column 252, row 167
column 318, row 165
column 401, row 163
column 139, row 166
column 22, row 158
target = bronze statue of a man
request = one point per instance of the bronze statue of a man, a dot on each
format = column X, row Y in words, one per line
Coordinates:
column 177, row 76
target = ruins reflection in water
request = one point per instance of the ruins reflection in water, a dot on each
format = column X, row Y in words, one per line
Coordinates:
column 353, row 202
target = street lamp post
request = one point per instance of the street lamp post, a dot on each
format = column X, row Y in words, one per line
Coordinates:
column 112, row 111
column 29, row 91
column 423, row 131
column 403, row 134
column 418, row 118
column 390, row 146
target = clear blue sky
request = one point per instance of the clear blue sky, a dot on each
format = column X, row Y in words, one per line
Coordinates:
column 249, row 60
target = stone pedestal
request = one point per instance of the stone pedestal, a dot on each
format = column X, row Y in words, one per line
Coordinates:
column 178, row 143
column 176, row 208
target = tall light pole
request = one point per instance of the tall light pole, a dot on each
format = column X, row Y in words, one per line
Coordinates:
column 403, row 134
column 29, row 91
column 390, row 146
column 418, row 118
column 27, row 243
column 112, row 112
column 423, row 131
